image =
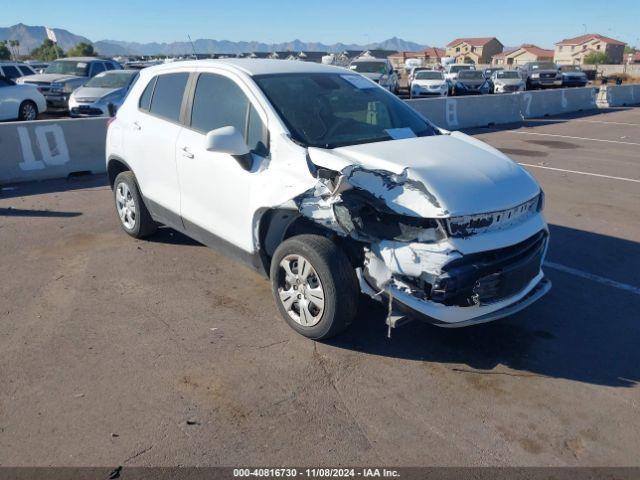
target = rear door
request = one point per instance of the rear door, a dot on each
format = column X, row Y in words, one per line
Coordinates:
column 151, row 142
column 215, row 189
column 8, row 100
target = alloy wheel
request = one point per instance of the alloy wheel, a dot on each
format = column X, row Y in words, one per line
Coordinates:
column 300, row 290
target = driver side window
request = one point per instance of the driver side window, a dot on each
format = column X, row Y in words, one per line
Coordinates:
column 219, row 102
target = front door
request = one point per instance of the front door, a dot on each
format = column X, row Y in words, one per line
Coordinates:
column 215, row 189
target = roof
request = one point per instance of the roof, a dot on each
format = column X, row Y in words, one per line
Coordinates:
column 252, row 66
column 587, row 37
column 431, row 52
column 527, row 47
column 474, row 42
column 84, row 59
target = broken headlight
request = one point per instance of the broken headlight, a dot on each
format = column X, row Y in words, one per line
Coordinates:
column 365, row 217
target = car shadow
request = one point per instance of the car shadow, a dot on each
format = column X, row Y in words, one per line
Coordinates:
column 171, row 237
column 582, row 330
column 73, row 182
column 21, row 212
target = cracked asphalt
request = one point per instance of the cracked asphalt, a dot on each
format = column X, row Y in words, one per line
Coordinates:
column 115, row 351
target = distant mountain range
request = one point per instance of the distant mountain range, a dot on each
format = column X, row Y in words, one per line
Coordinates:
column 31, row 37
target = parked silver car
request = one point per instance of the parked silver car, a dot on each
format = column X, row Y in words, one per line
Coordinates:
column 63, row 76
column 103, row 94
column 506, row 81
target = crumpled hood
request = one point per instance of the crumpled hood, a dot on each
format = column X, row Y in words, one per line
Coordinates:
column 51, row 77
column 465, row 176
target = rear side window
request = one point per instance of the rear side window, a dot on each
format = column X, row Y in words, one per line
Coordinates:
column 219, row 102
column 96, row 68
column 11, row 72
column 145, row 98
column 26, row 71
column 167, row 96
column 109, row 66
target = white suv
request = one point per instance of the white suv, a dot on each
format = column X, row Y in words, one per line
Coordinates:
column 331, row 186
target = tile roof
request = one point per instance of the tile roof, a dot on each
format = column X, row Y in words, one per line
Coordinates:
column 474, row 42
column 589, row 36
column 527, row 47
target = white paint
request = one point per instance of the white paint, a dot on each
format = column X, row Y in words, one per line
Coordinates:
column 580, row 173
column 527, row 98
column 568, row 136
column 451, row 112
column 593, row 277
column 52, row 154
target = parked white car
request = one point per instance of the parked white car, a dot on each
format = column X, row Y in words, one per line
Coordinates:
column 506, row 81
column 103, row 94
column 377, row 69
column 20, row 102
column 429, row 83
column 452, row 70
column 331, row 186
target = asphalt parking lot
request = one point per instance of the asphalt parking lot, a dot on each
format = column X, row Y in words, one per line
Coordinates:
column 162, row 352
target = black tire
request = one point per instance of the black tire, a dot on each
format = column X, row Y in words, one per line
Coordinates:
column 336, row 275
column 26, row 110
column 143, row 225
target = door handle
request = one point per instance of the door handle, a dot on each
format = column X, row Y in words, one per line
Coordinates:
column 136, row 126
column 186, row 153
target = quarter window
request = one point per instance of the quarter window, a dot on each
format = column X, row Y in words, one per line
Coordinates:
column 11, row 72
column 219, row 102
column 145, row 98
column 109, row 66
column 97, row 68
column 167, row 96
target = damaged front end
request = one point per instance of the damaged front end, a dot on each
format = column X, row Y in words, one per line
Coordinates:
column 450, row 270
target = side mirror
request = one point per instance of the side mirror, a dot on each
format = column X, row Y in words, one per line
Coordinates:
column 112, row 109
column 229, row 140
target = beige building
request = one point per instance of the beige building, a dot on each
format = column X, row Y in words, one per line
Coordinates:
column 474, row 50
column 428, row 56
column 521, row 55
column 573, row 50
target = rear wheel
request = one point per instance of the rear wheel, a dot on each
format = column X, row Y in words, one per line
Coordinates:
column 27, row 111
column 135, row 219
column 314, row 286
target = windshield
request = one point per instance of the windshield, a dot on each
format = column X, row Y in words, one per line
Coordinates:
column 329, row 110
column 369, row 67
column 111, row 80
column 471, row 75
column 507, row 75
column 543, row 66
column 459, row 68
column 68, row 67
column 422, row 75
column 570, row 68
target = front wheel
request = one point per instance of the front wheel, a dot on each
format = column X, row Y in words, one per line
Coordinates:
column 314, row 286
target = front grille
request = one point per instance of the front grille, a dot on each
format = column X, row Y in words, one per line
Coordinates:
column 547, row 75
column 487, row 277
column 510, row 88
column 474, row 224
column 86, row 110
column 35, row 82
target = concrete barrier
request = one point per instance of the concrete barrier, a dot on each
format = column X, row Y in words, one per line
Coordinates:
column 51, row 148
column 622, row 95
column 541, row 103
column 453, row 113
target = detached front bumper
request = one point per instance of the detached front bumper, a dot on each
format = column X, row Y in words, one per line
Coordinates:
column 468, row 287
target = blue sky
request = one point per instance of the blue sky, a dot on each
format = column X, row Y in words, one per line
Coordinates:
column 433, row 23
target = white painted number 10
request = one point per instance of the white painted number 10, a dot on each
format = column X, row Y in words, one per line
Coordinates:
column 51, row 143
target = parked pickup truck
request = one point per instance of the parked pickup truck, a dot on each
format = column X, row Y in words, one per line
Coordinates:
column 63, row 76
column 540, row 75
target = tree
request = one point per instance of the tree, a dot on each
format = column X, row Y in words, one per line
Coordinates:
column 47, row 52
column 5, row 54
column 595, row 58
column 82, row 50
column 629, row 49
